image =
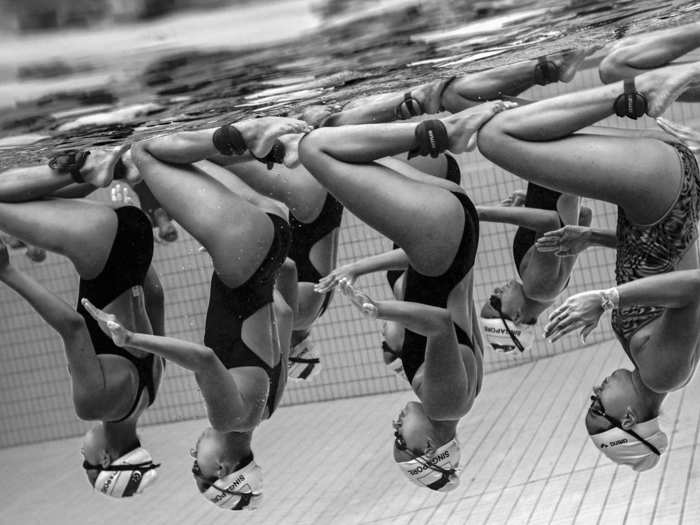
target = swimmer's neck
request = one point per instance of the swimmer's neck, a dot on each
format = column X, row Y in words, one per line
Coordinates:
column 120, row 436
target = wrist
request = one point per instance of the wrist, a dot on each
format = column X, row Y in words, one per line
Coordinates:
column 129, row 337
column 609, row 299
column 381, row 307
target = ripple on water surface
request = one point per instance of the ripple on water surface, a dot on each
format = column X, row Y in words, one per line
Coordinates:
column 359, row 48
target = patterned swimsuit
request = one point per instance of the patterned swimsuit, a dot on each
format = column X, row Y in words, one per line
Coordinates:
column 654, row 249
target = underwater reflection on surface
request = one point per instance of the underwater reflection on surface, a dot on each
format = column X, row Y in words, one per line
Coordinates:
column 358, row 48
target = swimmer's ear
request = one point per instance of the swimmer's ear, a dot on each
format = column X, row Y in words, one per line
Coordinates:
column 105, row 460
column 629, row 419
column 224, row 469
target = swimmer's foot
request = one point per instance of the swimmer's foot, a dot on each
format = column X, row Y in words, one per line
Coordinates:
column 35, row 254
column 317, row 115
column 585, row 216
column 569, row 62
column 260, row 134
column 132, row 174
column 291, row 149
column 98, row 169
column 662, row 87
column 429, row 96
column 166, row 229
column 462, row 127
column 515, row 199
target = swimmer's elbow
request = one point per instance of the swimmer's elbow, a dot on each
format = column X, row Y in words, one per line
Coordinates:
column 440, row 323
column 71, row 327
column 205, row 359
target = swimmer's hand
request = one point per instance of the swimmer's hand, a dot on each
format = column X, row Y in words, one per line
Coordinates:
column 362, row 301
column 685, row 134
column 568, row 241
column 343, row 277
column 582, row 311
column 515, row 199
column 109, row 324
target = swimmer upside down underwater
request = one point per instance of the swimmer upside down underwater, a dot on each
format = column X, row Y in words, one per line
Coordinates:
column 241, row 369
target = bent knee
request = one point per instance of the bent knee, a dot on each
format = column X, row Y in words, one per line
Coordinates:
column 311, row 146
column 140, row 153
column 608, row 69
column 491, row 136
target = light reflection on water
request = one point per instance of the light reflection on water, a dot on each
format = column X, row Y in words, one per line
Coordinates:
column 359, row 48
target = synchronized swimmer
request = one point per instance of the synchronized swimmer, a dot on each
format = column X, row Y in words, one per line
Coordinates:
column 280, row 185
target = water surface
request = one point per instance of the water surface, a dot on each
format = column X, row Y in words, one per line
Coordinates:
column 198, row 70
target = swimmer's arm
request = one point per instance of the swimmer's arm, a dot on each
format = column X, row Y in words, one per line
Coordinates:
column 192, row 356
column 531, row 218
column 347, row 274
column 55, row 311
column 601, row 237
column 227, row 408
column 572, row 240
column 444, row 390
column 420, row 318
column 391, row 260
column 70, row 325
column 671, row 290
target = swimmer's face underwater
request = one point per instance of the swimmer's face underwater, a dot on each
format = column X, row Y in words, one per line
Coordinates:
column 94, row 451
column 415, row 430
column 208, row 454
column 421, row 456
column 513, row 301
column 217, row 454
column 620, row 399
